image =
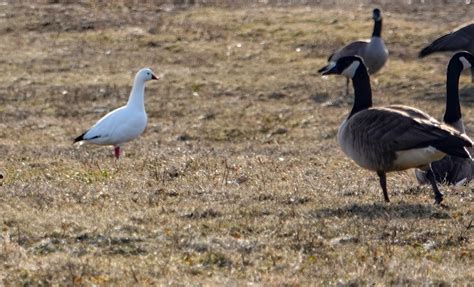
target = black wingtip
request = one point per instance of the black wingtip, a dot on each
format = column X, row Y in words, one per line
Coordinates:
column 462, row 153
column 79, row 138
column 456, row 146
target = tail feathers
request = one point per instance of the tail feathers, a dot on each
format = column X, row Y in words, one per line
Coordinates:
column 455, row 146
column 79, row 138
column 457, row 151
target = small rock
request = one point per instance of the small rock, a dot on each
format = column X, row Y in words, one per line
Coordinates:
column 277, row 95
column 429, row 245
column 172, row 172
column 278, row 131
column 241, row 179
column 207, row 116
column 153, row 44
column 343, row 240
column 184, row 137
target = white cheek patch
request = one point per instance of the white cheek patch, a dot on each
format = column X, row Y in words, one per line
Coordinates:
column 466, row 64
column 351, row 70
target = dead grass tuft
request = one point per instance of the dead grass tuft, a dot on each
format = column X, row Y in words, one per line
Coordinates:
column 238, row 178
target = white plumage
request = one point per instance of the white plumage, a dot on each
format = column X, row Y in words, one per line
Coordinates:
column 125, row 123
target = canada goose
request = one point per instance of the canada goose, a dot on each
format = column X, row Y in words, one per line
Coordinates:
column 125, row 123
column 452, row 170
column 373, row 51
column 460, row 39
column 392, row 138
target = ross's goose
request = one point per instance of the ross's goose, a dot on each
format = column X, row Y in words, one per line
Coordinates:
column 125, row 123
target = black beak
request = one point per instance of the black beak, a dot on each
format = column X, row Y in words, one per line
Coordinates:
column 328, row 70
column 153, row 77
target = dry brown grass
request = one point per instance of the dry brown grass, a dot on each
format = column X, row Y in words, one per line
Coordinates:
column 238, row 178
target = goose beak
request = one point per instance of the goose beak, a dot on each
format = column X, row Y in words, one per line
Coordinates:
column 328, row 70
column 153, row 77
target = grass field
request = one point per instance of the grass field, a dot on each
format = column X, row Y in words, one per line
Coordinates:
column 238, row 178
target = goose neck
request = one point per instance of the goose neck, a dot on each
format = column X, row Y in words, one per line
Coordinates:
column 362, row 91
column 377, row 28
column 136, row 98
column 452, row 113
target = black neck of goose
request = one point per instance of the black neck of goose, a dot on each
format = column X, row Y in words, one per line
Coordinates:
column 362, row 91
column 377, row 28
column 452, row 113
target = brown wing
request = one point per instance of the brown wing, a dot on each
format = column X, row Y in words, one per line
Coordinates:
column 394, row 130
column 459, row 39
column 352, row 49
column 412, row 112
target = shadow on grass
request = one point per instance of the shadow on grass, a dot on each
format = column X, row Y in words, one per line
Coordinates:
column 383, row 210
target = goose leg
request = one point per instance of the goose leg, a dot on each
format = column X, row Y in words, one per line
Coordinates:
column 383, row 184
column 117, row 152
column 432, row 179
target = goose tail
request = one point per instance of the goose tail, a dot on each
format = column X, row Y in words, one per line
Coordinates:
column 455, row 146
column 79, row 138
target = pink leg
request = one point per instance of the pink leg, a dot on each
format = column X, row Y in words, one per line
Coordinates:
column 117, row 152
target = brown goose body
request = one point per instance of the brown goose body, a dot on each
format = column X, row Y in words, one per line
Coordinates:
column 396, row 138
column 393, row 138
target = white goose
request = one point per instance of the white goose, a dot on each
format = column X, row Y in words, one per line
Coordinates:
column 125, row 123
column 392, row 138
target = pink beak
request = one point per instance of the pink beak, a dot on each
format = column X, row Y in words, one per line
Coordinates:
column 153, row 77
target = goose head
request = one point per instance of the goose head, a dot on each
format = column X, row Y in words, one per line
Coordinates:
column 376, row 14
column 145, row 75
column 346, row 66
column 463, row 60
